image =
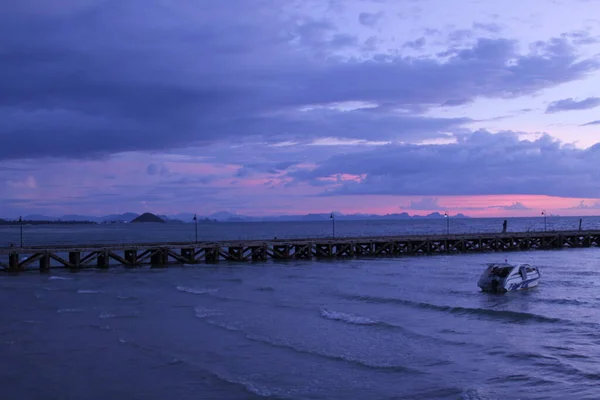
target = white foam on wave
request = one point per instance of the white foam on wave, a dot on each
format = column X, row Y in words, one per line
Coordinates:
column 102, row 327
column 202, row 312
column 59, row 278
column 348, row 318
column 68, row 310
column 250, row 386
column 126, row 297
column 130, row 314
column 474, row 394
column 195, row 291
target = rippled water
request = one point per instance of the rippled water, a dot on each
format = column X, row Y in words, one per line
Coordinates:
column 406, row 328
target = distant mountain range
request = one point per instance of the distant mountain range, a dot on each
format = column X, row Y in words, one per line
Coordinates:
column 224, row 216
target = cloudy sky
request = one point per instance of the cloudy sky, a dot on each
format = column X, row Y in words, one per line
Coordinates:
column 261, row 107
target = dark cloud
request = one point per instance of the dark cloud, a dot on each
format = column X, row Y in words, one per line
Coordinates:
column 89, row 79
column 264, row 168
column 480, row 163
column 570, row 104
column 581, row 37
column 592, row 123
column 488, row 27
column 416, row 44
column 369, row 19
column 460, row 35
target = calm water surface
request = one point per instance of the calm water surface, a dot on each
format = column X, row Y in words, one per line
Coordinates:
column 407, row 328
column 132, row 233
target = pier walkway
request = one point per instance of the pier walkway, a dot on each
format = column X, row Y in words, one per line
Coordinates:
column 162, row 254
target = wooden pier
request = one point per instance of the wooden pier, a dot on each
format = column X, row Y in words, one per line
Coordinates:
column 163, row 254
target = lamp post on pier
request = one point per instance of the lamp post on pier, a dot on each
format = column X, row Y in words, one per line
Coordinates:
column 21, row 228
column 447, row 223
column 544, row 214
column 196, row 227
column 332, row 217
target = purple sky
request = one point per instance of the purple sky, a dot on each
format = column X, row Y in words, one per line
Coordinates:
column 267, row 107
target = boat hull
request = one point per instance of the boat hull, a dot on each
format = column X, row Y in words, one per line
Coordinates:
column 501, row 278
column 501, row 286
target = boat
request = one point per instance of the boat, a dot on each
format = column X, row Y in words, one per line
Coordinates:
column 508, row 277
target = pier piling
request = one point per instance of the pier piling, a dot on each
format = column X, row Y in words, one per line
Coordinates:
column 131, row 256
column 13, row 261
column 103, row 260
column 45, row 261
column 75, row 259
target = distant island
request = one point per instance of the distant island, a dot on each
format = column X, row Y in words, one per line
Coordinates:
column 221, row 216
column 147, row 217
column 43, row 222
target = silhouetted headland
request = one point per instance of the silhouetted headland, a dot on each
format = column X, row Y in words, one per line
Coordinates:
column 148, row 217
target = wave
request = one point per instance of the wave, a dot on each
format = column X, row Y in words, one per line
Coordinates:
column 69, row 310
column 513, row 316
column 322, row 354
column 205, row 312
column 86, row 291
column 106, row 314
column 195, row 291
column 360, row 320
column 473, row 394
column 239, row 382
column 570, row 302
column 234, row 280
column 101, row 327
column 349, row 318
column 59, row 278
column 126, row 298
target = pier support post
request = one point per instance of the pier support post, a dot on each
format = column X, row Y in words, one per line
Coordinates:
column 236, row 253
column 211, row 255
column 13, row 261
column 103, row 260
column 188, row 254
column 159, row 257
column 75, row 259
column 131, row 257
column 259, row 253
column 45, row 262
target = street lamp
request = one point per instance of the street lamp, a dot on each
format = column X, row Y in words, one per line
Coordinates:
column 333, row 223
column 21, row 227
column 544, row 214
column 196, row 225
column 447, row 222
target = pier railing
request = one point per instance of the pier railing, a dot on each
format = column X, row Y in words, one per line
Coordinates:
column 168, row 253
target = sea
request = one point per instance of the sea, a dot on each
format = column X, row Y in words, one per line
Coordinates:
column 369, row 328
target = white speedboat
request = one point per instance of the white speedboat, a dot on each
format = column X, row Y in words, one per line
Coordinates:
column 508, row 277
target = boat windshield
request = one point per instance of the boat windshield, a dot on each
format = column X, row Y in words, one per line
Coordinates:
column 501, row 271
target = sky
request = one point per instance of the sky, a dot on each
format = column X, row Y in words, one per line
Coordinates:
column 273, row 107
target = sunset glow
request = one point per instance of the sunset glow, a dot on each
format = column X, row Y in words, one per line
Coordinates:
column 295, row 108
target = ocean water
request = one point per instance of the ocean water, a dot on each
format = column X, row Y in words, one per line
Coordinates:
column 410, row 328
column 132, row 233
column 404, row 328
